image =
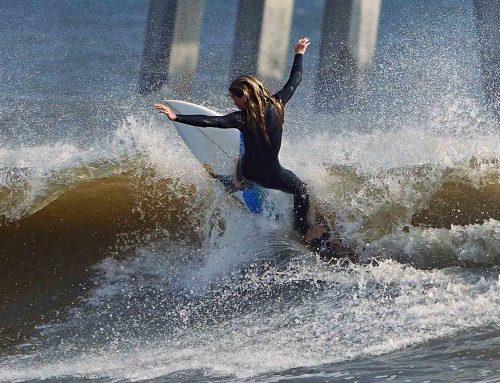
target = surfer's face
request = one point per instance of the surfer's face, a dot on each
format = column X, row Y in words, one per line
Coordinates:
column 238, row 101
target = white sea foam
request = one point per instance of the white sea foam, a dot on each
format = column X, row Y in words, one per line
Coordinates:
column 426, row 247
column 364, row 312
column 370, row 152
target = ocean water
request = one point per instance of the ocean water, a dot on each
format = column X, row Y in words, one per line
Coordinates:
column 120, row 260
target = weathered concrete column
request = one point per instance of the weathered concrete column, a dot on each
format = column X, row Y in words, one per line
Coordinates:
column 347, row 48
column 365, row 16
column 262, row 38
column 488, row 31
column 171, row 47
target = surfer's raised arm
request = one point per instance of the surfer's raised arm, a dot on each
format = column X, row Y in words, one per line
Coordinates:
column 231, row 120
column 295, row 74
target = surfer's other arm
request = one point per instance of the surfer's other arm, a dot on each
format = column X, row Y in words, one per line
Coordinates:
column 231, row 120
column 295, row 74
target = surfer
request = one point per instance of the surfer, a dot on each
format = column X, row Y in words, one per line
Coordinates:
column 260, row 119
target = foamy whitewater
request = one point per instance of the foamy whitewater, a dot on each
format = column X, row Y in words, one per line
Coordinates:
column 121, row 260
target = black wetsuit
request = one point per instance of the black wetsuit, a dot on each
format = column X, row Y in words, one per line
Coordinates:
column 260, row 163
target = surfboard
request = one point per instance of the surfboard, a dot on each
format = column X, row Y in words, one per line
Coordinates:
column 220, row 149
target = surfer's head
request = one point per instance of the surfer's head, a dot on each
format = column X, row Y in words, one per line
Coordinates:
column 239, row 101
column 250, row 94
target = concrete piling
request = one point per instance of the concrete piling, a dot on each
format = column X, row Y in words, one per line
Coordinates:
column 171, row 47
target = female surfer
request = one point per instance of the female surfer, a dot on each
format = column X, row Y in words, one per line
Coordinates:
column 260, row 119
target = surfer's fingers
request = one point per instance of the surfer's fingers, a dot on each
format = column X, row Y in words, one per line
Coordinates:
column 162, row 108
column 305, row 42
column 302, row 45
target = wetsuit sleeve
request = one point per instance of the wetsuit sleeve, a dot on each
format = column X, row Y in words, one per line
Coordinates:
column 293, row 82
column 231, row 120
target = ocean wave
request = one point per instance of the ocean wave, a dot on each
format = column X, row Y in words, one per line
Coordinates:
column 62, row 216
column 105, row 198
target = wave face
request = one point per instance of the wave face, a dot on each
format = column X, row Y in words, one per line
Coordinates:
column 143, row 182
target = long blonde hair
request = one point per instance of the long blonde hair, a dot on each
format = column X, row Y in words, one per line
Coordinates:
column 257, row 98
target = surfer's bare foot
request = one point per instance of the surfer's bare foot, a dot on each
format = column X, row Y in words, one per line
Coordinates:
column 315, row 232
column 209, row 169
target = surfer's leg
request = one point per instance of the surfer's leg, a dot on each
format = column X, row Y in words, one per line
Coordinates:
column 286, row 181
column 291, row 184
column 229, row 182
column 238, row 180
column 239, row 172
column 300, row 205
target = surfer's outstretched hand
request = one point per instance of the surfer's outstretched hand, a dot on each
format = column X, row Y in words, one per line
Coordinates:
column 302, row 45
column 166, row 111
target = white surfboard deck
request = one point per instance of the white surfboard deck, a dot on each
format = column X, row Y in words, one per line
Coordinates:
column 219, row 148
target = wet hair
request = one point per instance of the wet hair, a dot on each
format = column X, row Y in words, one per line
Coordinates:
column 257, row 98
